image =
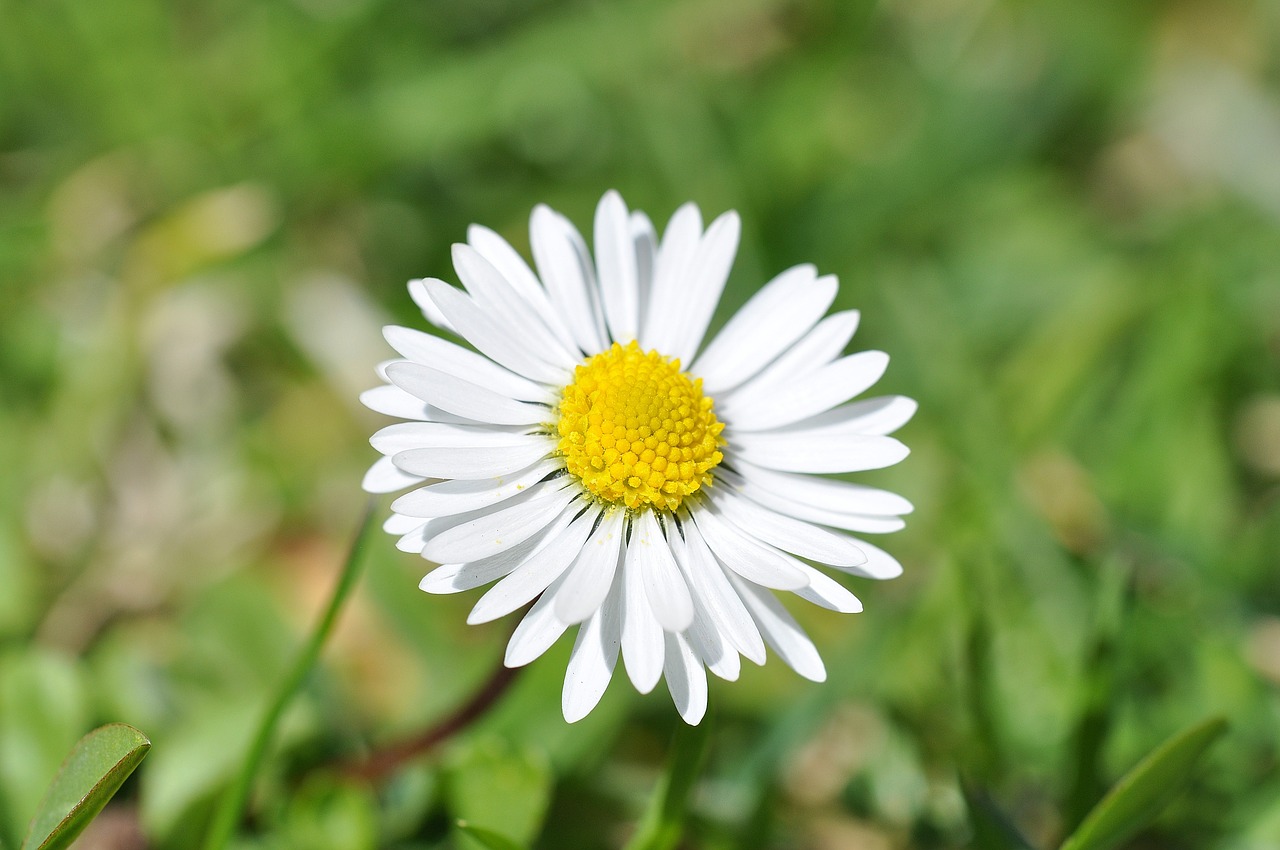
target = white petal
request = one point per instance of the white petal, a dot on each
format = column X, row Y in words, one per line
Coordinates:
column 588, row 580
column 686, row 680
column 645, row 240
column 495, row 530
column 413, row 435
column 880, row 564
column 418, row 292
column 664, row 586
column 782, row 632
column 517, row 273
column 616, row 268
column 642, row 643
column 400, row 524
column 776, row 317
column 743, row 555
column 866, row 523
column 537, row 573
column 809, row 395
column 871, row 416
column 787, row 533
column 469, row 366
column 563, row 267
column 824, row 492
column 453, row 578
column 537, row 632
column 413, row 540
column 818, row 452
column 713, row 649
column 495, row 295
column 446, row 498
column 707, row 276
column 385, row 477
column 717, row 596
column 670, row 270
column 818, row 348
column 595, row 654
column 463, row 398
column 491, row 337
column 392, row 401
column 828, row 593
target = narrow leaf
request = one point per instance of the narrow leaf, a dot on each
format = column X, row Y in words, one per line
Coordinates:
column 489, row 839
column 663, row 823
column 1140, row 795
column 992, row 828
column 95, row 769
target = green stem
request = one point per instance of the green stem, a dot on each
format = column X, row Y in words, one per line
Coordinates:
column 663, row 823
column 232, row 806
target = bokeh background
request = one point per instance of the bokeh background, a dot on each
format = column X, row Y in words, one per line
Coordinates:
column 1061, row 218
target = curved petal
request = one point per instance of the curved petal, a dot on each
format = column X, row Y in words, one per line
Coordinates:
column 642, row 642
column 468, row 365
column 818, row 452
column 670, row 271
column 830, row 493
column 664, row 586
column 492, row 531
column 500, row 300
column 708, row 273
column 812, row 394
column 537, row 632
column 616, row 268
column 499, row 253
column 464, row 398
column 773, row 320
column 815, row 350
column 385, row 477
column 686, row 679
column 446, row 498
column 782, row 632
column 538, row 572
column 595, row 654
column 787, row 533
column 714, row 593
column 743, row 555
column 587, row 582
column 491, row 337
column 565, row 269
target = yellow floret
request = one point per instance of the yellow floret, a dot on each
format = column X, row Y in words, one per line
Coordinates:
column 636, row 430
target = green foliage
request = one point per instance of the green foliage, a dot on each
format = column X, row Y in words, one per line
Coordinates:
column 1059, row 219
column 499, row 789
column 664, row 821
column 1146, row 789
column 95, row 769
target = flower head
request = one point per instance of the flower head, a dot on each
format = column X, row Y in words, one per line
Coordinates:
column 592, row 457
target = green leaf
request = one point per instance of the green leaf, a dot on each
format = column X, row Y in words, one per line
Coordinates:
column 663, row 823
column 495, row 784
column 1140, row 795
column 96, row 768
column 487, row 838
column 992, row 828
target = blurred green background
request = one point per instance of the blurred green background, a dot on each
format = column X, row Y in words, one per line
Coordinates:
column 1062, row 220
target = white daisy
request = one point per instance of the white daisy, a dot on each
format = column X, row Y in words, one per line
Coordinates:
column 574, row 459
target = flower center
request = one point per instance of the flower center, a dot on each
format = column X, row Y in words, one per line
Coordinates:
column 637, row 430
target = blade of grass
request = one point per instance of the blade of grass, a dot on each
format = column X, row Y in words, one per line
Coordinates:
column 1146, row 789
column 231, row 808
column 663, row 823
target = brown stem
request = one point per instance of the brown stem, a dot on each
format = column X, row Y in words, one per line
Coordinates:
column 381, row 763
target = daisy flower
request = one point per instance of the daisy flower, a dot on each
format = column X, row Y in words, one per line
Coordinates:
column 588, row 453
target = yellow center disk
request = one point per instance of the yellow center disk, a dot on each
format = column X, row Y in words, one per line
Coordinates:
column 637, row 430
